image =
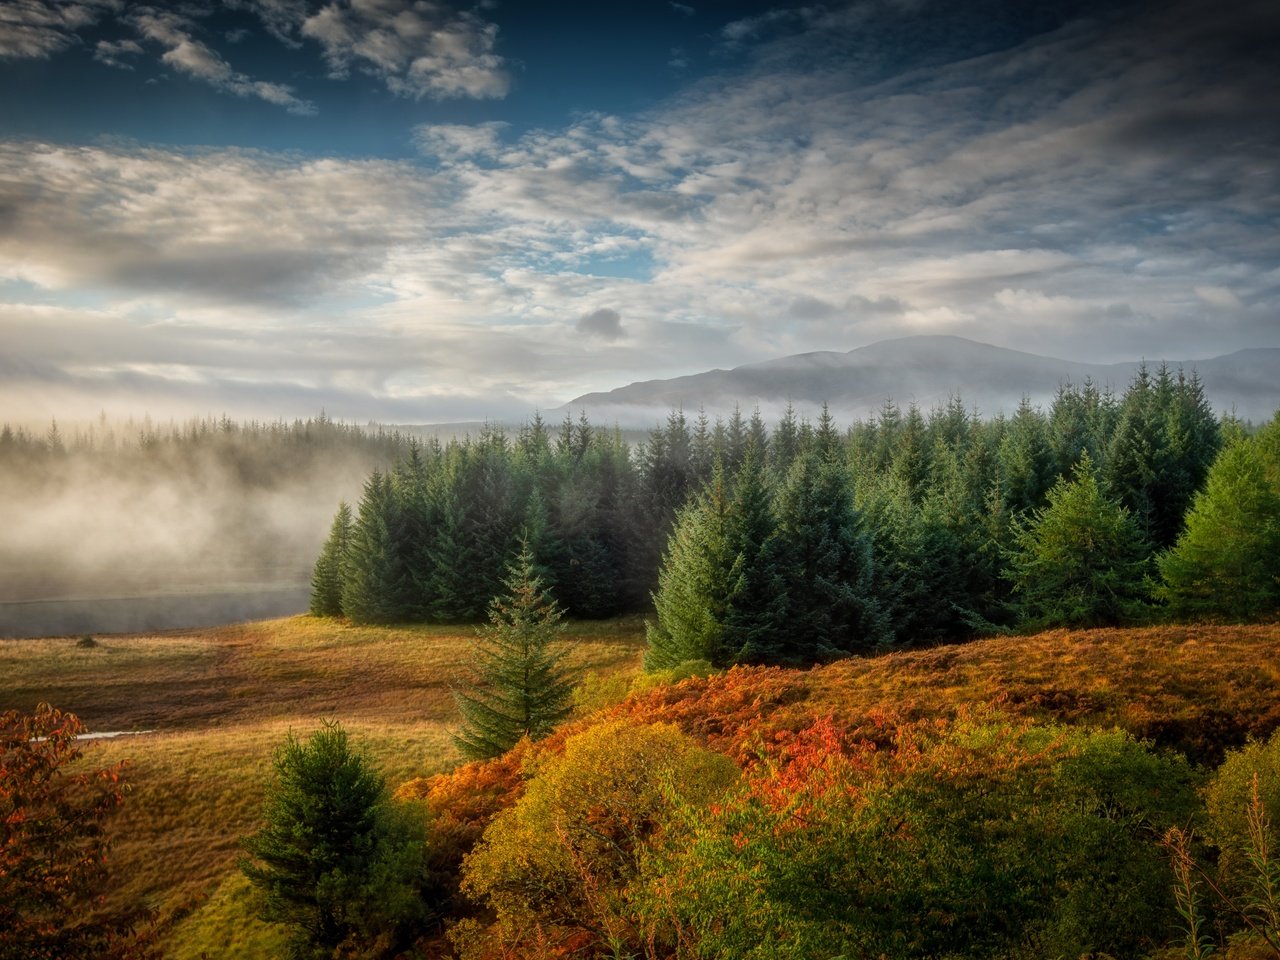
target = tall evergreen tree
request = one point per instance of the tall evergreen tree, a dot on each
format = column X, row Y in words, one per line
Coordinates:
column 1081, row 560
column 328, row 575
column 1226, row 564
column 375, row 582
column 694, row 584
column 1026, row 460
column 522, row 684
column 755, row 622
column 827, row 568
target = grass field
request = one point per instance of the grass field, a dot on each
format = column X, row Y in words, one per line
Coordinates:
column 218, row 702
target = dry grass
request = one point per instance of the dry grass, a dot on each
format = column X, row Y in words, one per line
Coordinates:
column 219, row 702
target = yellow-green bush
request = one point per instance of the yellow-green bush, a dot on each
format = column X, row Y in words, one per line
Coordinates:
column 564, row 854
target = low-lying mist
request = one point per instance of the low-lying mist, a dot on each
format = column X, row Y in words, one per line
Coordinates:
column 119, row 527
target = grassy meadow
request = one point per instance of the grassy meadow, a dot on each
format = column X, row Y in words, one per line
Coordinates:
column 217, row 702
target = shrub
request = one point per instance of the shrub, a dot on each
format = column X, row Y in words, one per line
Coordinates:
column 985, row 838
column 565, row 854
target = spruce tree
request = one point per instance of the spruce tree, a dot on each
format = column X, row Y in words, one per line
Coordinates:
column 1226, row 564
column 694, row 584
column 335, row 861
column 522, row 684
column 756, row 618
column 375, row 583
column 1081, row 560
column 327, row 577
column 826, row 564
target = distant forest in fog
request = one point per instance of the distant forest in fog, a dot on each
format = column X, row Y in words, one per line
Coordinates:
column 128, row 509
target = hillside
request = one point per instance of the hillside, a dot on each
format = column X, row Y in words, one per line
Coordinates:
column 923, row 369
column 221, row 700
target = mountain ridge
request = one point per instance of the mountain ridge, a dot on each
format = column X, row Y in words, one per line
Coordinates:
column 926, row 369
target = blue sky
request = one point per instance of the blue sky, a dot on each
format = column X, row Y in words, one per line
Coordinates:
column 418, row 210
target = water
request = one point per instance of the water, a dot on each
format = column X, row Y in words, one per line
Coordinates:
column 146, row 613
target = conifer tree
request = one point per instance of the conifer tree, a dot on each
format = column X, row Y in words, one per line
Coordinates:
column 1081, row 560
column 1226, row 564
column 328, row 575
column 375, row 583
column 334, row 860
column 756, row 618
column 522, row 684
column 826, row 565
column 1026, row 460
column 692, row 599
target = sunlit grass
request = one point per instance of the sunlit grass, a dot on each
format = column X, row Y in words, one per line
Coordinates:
column 220, row 701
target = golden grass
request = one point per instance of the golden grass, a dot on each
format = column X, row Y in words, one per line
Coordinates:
column 220, row 701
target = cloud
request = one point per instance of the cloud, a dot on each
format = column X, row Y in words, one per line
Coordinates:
column 40, row 28
column 186, row 54
column 1219, row 297
column 1027, row 189
column 453, row 141
column 113, row 52
column 418, row 49
column 223, row 226
column 603, row 323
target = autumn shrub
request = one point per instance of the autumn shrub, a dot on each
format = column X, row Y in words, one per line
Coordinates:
column 53, row 844
column 985, row 837
column 1229, row 797
column 564, row 856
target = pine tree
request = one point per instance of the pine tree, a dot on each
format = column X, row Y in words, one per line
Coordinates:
column 1026, row 460
column 522, row 684
column 756, row 618
column 1226, row 564
column 692, row 599
column 334, row 861
column 375, row 583
column 1081, row 560
column 328, row 576
column 827, row 569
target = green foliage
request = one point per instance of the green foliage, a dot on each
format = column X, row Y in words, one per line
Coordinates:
column 981, row 840
column 565, row 855
column 1254, row 769
column 336, row 862
column 1226, row 564
column 827, row 569
column 327, row 578
column 692, row 601
column 522, row 686
column 376, row 584
column 1081, row 560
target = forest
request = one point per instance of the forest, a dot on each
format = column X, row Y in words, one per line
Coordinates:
column 806, row 542
column 929, row 686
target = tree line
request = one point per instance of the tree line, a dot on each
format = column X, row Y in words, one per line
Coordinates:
column 806, row 542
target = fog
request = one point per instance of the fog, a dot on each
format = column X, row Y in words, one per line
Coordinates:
column 111, row 528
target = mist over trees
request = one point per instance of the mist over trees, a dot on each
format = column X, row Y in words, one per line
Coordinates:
column 126, row 509
column 806, row 542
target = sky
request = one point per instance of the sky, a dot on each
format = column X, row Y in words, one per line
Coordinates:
column 426, row 211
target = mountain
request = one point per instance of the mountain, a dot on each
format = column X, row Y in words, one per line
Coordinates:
column 925, row 369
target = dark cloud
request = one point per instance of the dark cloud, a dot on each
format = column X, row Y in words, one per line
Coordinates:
column 603, row 323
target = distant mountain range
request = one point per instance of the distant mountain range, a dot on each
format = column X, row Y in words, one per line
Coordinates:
column 925, row 369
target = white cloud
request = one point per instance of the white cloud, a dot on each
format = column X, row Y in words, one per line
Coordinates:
column 1219, row 297
column 39, row 28
column 114, row 52
column 418, row 49
column 191, row 56
column 454, row 141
